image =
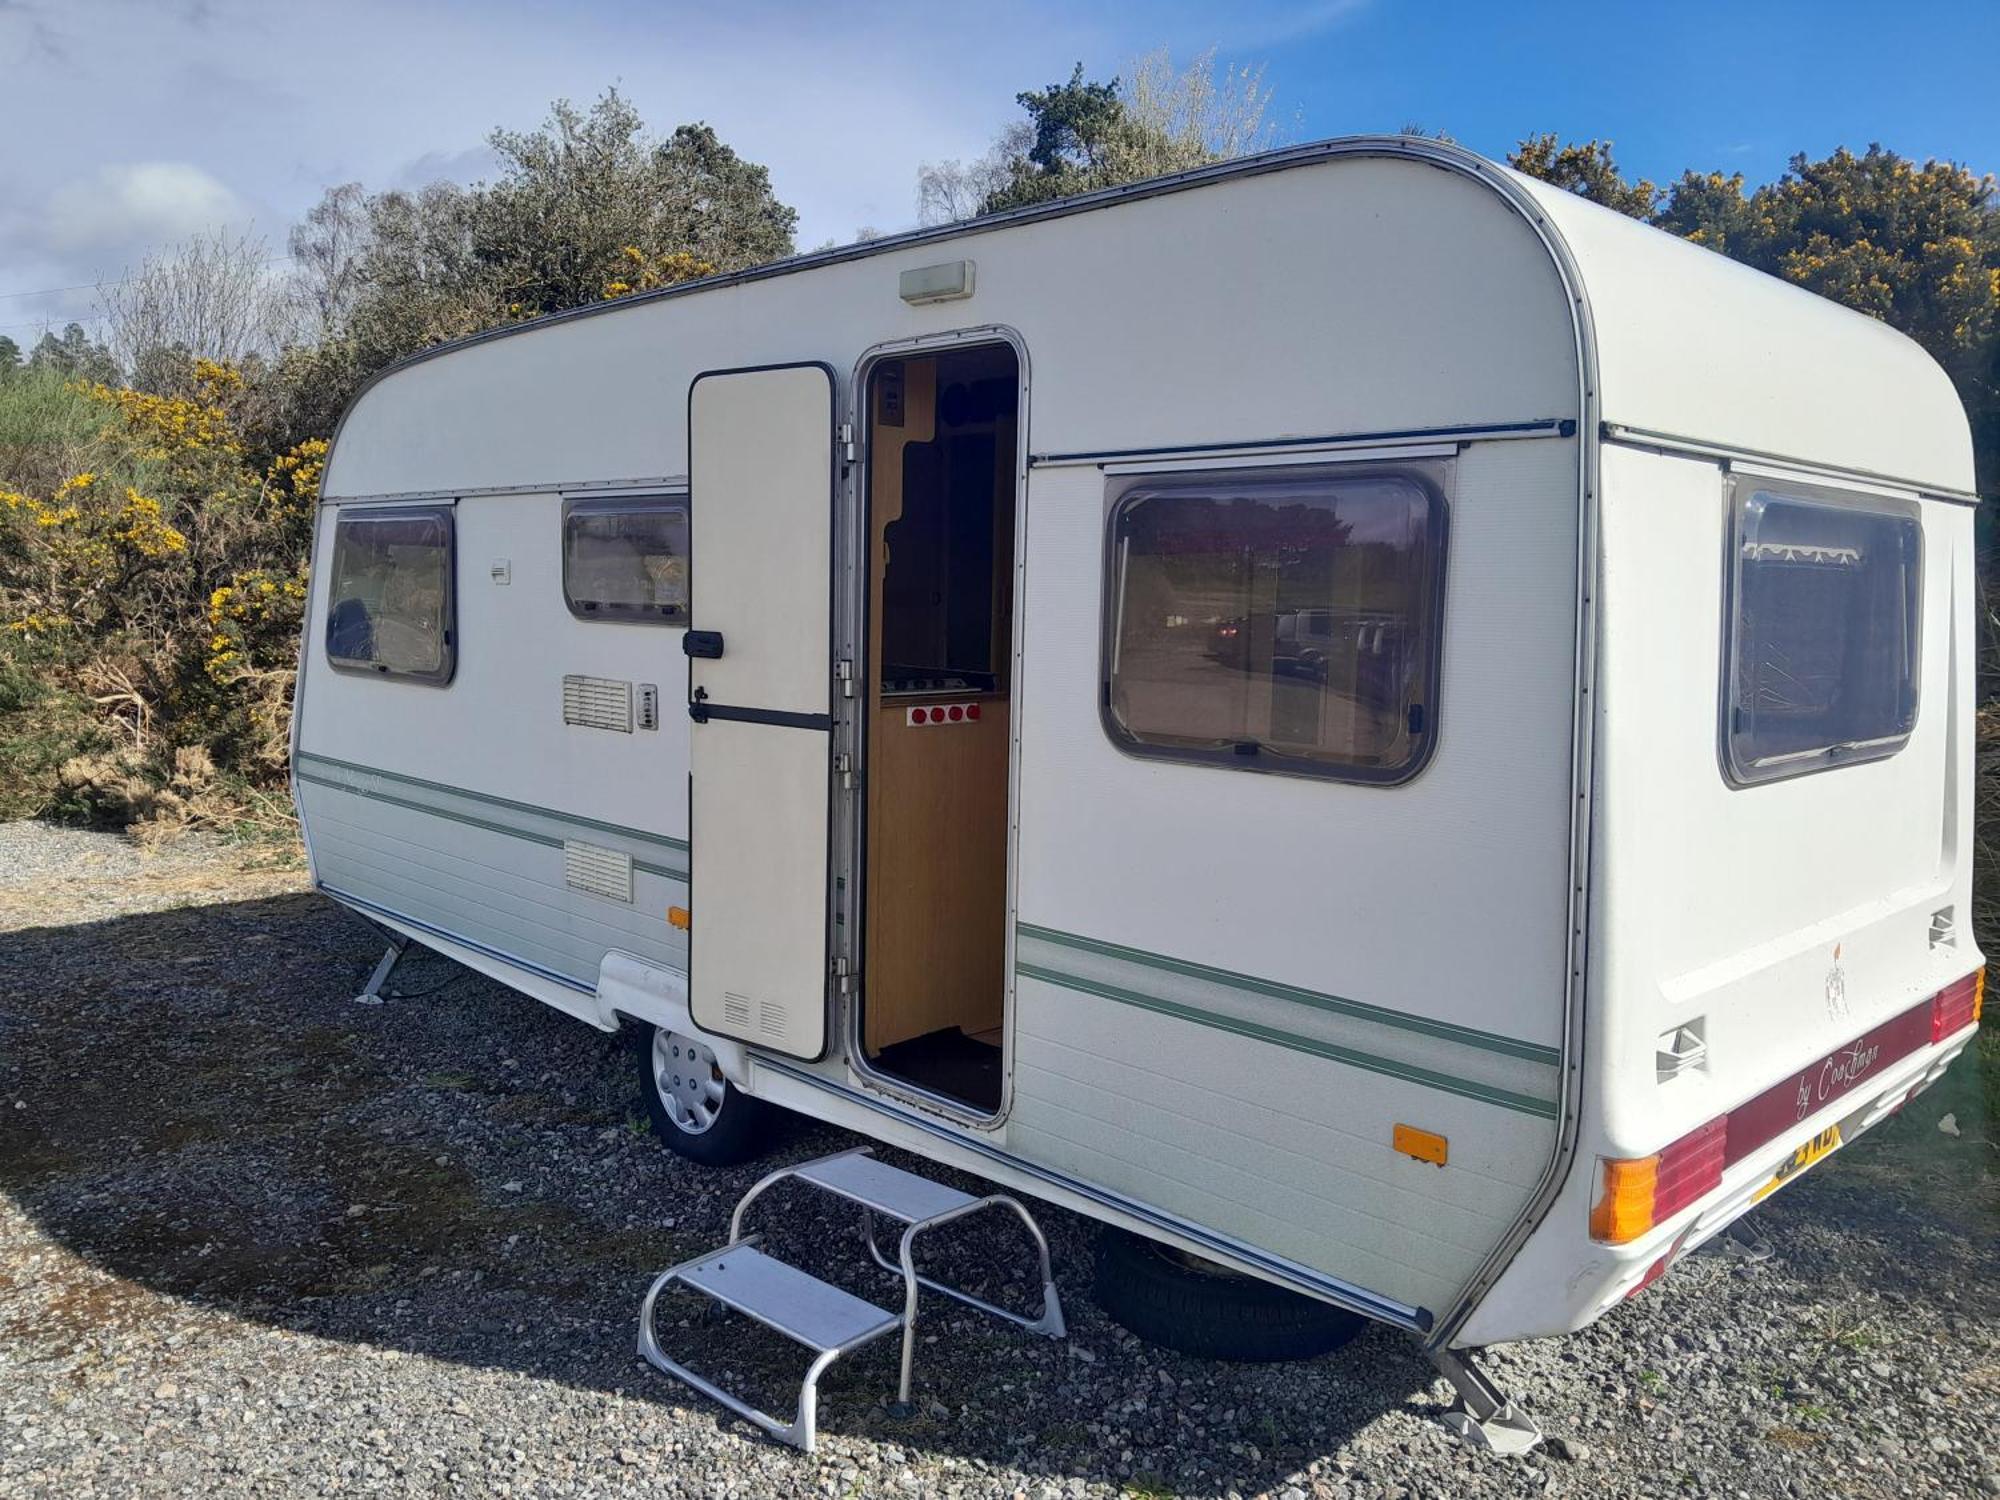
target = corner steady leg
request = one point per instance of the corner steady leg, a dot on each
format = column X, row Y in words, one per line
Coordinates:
column 1485, row 1417
column 371, row 992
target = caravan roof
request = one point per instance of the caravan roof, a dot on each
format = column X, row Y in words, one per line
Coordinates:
column 1673, row 341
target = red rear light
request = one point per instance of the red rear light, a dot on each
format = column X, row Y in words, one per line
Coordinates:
column 1958, row 1005
column 1691, row 1168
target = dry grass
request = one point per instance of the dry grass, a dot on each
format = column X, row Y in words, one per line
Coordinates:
column 1986, row 829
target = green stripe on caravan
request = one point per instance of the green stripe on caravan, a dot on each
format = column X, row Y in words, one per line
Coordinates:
column 1498, row 1070
column 346, row 777
column 1358, row 1010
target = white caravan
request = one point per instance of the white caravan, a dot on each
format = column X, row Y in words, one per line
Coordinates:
column 1349, row 714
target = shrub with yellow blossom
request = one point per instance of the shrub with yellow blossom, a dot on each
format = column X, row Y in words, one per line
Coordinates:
column 160, row 591
column 647, row 273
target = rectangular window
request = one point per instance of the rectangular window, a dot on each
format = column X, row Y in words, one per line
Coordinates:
column 1823, row 624
column 627, row 559
column 1278, row 622
column 390, row 607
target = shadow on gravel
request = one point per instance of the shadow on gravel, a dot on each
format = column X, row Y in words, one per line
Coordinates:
column 190, row 1101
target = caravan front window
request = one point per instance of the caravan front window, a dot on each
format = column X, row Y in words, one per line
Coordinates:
column 389, row 610
column 1821, row 664
column 1278, row 622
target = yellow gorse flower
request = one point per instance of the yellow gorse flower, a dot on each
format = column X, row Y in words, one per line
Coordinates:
column 650, row 273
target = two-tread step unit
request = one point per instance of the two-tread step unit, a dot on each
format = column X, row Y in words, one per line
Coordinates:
column 824, row 1318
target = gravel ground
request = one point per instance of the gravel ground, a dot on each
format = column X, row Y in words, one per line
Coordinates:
column 65, row 876
column 257, row 1239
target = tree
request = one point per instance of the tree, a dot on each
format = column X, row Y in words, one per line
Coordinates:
column 1082, row 135
column 327, row 250
column 574, row 202
column 1069, row 142
column 75, row 356
column 10, row 357
column 1587, row 169
column 1175, row 121
column 580, row 189
column 209, row 297
column 954, row 190
column 587, row 206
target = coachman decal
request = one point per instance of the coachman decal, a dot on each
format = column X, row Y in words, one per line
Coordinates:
column 1780, row 1108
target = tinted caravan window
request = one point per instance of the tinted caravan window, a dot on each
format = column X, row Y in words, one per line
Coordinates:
column 626, row 559
column 1278, row 623
column 389, row 609
column 1823, row 632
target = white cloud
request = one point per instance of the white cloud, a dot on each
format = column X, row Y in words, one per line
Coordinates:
column 116, row 208
column 841, row 106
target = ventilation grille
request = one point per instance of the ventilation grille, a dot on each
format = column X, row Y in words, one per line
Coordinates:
column 1944, row 927
column 771, row 1018
column 735, row 1010
column 1681, row 1049
column 598, row 703
column 602, row 872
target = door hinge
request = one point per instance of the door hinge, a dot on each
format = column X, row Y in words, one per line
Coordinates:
column 844, row 670
column 843, row 765
column 842, row 977
column 847, row 441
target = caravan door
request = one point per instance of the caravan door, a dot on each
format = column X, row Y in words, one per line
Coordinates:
column 760, row 685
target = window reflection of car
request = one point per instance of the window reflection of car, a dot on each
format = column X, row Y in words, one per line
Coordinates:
column 1317, row 645
column 1229, row 641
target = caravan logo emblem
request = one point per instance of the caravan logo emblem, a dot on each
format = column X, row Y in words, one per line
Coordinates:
column 1836, row 989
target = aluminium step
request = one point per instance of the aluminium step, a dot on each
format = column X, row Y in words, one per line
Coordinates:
column 782, row 1297
column 861, row 1178
column 825, row 1318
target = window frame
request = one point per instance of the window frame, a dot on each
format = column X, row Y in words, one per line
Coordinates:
column 1432, row 476
column 664, row 501
column 1739, row 491
column 447, row 668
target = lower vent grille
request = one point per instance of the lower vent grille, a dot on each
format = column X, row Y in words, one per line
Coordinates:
column 602, row 872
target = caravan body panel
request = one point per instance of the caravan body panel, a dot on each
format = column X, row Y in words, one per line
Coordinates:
column 1226, row 990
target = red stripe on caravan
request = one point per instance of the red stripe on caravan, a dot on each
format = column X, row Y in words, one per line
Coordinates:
column 1783, row 1106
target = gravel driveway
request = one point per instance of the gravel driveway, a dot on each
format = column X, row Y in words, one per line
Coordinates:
column 257, row 1239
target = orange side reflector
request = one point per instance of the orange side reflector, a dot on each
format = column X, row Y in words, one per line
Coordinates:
column 1422, row 1144
column 1978, row 994
column 1624, row 1209
column 679, row 917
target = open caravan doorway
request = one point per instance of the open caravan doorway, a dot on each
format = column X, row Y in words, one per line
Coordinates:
column 943, row 460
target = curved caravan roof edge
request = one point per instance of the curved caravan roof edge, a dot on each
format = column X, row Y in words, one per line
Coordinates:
column 1683, row 343
column 1694, row 346
column 1413, row 147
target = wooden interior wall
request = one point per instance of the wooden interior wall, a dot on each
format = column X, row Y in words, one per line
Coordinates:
column 937, row 809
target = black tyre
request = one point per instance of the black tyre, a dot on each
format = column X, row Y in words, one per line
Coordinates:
column 694, row 1109
column 1198, row 1308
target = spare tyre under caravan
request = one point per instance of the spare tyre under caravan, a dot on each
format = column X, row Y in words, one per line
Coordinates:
column 1347, row 713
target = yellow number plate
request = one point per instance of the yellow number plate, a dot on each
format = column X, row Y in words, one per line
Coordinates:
column 1824, row 1144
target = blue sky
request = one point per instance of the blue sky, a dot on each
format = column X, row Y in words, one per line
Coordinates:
column 157, row 118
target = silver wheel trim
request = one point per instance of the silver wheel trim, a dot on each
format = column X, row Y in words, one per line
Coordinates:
column 689, row 1084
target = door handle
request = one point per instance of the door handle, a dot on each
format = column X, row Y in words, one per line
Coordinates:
column 706, row 644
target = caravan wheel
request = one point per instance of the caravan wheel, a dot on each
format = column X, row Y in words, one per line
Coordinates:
column 694, row 1109
column 1196, row 1307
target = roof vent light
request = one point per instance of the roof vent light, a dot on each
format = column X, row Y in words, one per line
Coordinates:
column 949, row 282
